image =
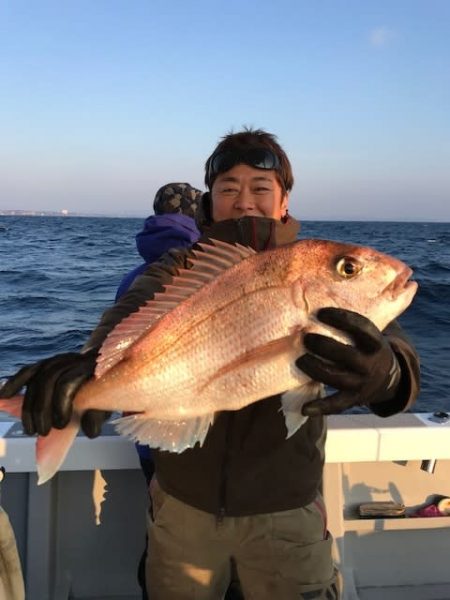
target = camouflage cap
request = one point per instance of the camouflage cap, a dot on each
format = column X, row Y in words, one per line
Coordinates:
column 177, row 198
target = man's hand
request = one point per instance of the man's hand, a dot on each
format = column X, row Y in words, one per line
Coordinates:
column 52, row 385
column 365, row 373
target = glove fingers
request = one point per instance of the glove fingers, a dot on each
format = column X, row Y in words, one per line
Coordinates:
column 27, row 414
column 37, row 410
column 92, row 421
column 16, row 382
column 366, row 335
column 66, row 388
column 331, row 405
column 327, row 373
column 331, row 350
column 37, row 407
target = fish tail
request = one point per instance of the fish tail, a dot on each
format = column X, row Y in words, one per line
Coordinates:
column 52, row 449
column 12, row 406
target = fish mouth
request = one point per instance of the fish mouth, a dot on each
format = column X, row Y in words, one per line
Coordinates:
column 401, row 284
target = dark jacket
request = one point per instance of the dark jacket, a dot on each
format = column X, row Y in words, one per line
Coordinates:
column 246, row 465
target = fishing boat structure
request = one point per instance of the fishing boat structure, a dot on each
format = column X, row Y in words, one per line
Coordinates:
column 80, row 536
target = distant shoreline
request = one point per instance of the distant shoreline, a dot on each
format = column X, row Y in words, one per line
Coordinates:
column 63, row 213
column 37, row 213
column 68, row 214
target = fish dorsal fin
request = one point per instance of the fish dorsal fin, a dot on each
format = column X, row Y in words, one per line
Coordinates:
column 207, row 264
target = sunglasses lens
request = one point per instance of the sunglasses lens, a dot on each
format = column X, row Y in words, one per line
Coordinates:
column 222, row 162
column 259, row 158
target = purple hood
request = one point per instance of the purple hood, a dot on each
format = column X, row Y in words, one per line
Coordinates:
column 159, row 234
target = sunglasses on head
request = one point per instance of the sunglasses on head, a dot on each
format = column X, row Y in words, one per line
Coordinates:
column 259, row 158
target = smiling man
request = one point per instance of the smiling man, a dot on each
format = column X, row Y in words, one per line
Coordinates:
column 249, row 495
column 244, row 191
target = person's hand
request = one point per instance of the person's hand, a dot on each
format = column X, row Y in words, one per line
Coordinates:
column 364, row 374
column 51, row 386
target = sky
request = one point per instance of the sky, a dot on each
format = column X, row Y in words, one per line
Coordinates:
column 104, row 101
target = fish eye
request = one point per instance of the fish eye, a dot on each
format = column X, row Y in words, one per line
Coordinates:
column 348, row 267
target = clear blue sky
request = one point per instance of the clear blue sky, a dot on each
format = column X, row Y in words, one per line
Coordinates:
column 103, row 101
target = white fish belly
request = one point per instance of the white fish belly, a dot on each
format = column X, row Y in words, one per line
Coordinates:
column 253, row 381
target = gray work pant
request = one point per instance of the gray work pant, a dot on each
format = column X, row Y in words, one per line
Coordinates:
column 283, row 556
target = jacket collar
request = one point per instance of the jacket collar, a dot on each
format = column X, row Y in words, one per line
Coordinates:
column 260, row 233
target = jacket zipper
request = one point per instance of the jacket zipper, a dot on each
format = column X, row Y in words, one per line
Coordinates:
column 224, row 472
column 226, row 457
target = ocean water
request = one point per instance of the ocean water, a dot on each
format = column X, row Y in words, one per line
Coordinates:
column 58, row 274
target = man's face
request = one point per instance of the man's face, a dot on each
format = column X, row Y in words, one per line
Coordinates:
column 246, row 191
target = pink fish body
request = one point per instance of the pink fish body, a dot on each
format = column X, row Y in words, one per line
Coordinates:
column 225, row 334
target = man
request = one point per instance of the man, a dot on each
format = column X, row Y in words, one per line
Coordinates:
column 248, row 493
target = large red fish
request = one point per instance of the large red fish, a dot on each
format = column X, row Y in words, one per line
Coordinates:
column 224, row 334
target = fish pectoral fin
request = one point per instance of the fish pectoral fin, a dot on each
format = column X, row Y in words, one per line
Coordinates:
column 292, row 403
column 173, row 436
